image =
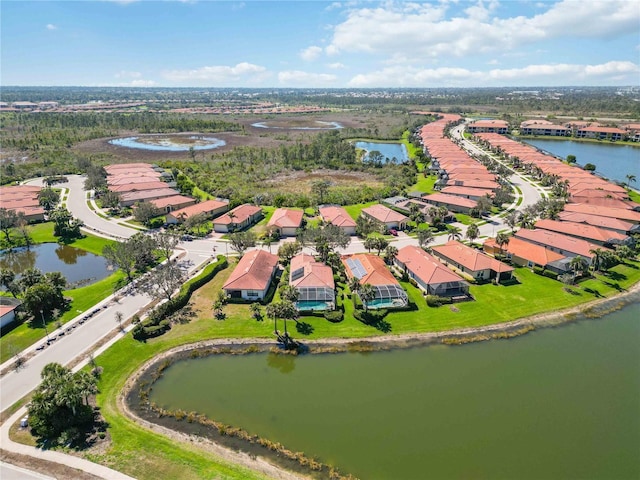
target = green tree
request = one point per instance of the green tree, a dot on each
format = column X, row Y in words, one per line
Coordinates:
column 144, row 212
column 8, row 220
column 590, row 167
column 163, row 281
column 390, row 254
column 121, row 255
column 290, row 293
column 165, row 243
column 571, row 159
column 578, row 264
column 320, row 188
column 472, row 233
column 366, row 293
column 256, row 311
column 7, row 280
column 502, row 239
column 630, row 178
column 454, row 233
column 325, row 240
column 64, row 225
column 425, row 237
column 59, row 409
column 512, row 220
column 111, row 200
column 242, row 241
column 289, row 250
column 484, row 204
column 48, row 198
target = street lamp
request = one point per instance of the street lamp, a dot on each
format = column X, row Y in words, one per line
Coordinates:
column 44, row 324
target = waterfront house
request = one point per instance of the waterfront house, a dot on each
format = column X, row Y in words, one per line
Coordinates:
column 526, row 254
column 619, row 213
column 252, row 277
column 492, row 126
column 601, row 133
column 472, row 262
column 610, row 223
column 371, row 269
column 429, row 274
column 597, row 235
column 314, row 282
column 563, row 244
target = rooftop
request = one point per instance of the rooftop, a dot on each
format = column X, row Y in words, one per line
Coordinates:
column 253, row 272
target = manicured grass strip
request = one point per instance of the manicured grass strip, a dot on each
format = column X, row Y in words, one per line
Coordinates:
column 424, row 184
column 354, row 210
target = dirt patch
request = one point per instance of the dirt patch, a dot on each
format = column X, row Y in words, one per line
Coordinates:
column 52, row 469
column 300, row 181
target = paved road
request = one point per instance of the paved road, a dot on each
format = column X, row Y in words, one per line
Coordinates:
column 10, row 472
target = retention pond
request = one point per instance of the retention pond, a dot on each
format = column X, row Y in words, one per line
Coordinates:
column 557, row 403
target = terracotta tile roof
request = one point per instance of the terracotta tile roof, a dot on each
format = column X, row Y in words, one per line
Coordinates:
column 315, row 274
column 596, row 220
column 384, row 214
column 489, row 124
column 375, row 270
column 253, row 272
column 427, row 268
column 466, row 191
column 241, row 213
column 602, row 129
column 582, row 183
column 550, row 239
column 581, row 230
column 520, row 248
column 114, row 167
column 286, row 218
column 146, row 194
column 474, row 183
column 174, row 200
column 124, row 179
column 207, row 206
column 4, row 309
column 604, row 202
column 619, row 213
column 447, row 199
column 470, row 258
column 136, row 187
column 337, row 216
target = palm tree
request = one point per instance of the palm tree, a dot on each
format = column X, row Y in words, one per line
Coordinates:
column 354, row 285
column 290, row 293
column 425, row 237
column 512, row 220
column 577, row 264
column 502, row 239
column 390, row 254
column 630, row 178
column 369, row 243
column 272, row 311
column 366, row 293
column 455, row 233
column 473, row 232
column 256, row 312
column 598, row 254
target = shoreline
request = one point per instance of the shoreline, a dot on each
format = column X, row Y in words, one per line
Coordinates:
column 591, row 310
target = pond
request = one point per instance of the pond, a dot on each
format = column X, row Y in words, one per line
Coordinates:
column 556, row 403
column 169, row 143
column 612, row 161
column 391, row 152
column 78, row 266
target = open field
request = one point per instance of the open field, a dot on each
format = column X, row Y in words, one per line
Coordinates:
column 301, row 181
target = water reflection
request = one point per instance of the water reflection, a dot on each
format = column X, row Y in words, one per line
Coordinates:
column 281, row 362
column 169, row 145
column 69, row 255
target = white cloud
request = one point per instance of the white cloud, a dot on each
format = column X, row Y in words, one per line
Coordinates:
column 424, row 29
column 610, row 73
column 127, row 74
column 142, row 83
column 51, row 26
column 493, row 62
column 219, row 75
column 336, row 66
column 238, row 6
column 297, row 78
column 311, row 53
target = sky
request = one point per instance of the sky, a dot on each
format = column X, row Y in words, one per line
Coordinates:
column 307, row 44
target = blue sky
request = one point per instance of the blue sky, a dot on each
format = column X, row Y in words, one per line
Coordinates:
column 199, row 43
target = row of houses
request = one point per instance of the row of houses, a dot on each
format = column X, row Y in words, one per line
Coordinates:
column 22, row 199
column 440, row 273
column 547, row 128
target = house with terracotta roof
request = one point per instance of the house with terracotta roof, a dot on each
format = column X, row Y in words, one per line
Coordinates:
column 8, row 308
column 453, row 203
column 314, row 282
column 563, row 244
column 526, row 254
column 22, row 199
column 610, row 223
column 136, row 187
column 469, row 193
column 129, row 198
column 472, row 262
column 619, row 213
column 371, row 269
column 339, row 217
column 601, row 133
column 211, row 208
column 388, row 217
column 239, row 218
column 430, row 275
column 492, row 126
column 597, row 235
column 175, row 202
column 286, row 221
column 543, row 128
column 252, row 277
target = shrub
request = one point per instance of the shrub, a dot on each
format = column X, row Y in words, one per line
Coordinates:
column 436, row 301
column 334, row 317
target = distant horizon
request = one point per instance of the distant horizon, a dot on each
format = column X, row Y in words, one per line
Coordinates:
column 320, row 44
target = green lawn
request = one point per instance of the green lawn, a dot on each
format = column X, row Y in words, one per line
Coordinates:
column 354, row 210
column 633, row 195
column 424, row 184
column 146, row 455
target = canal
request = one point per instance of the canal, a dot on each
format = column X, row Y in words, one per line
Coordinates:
column 557, row 403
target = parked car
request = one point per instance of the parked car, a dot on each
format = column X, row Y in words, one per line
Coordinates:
column 393, row 232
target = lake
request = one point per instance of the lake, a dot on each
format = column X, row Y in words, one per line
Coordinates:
column 197, row 142
column 556, row 403
column 78, row 266
column 611, row 161
column 388, row 150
